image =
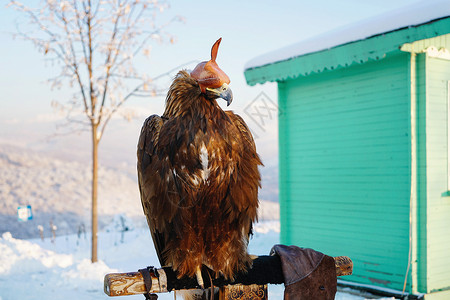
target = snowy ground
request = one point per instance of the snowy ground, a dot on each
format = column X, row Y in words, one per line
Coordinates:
column 35, row 269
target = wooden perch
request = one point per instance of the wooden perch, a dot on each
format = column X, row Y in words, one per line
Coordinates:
column 265, row 269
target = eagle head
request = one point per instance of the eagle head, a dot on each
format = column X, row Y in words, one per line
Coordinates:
column 212, row 80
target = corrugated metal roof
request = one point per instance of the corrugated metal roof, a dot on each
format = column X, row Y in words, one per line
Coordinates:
column 349, row 44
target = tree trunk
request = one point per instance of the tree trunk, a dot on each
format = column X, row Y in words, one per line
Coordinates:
column 95, row 142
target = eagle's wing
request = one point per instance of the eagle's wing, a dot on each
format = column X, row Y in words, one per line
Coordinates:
column 150, row 183
column 245, row 133
column 245, row 189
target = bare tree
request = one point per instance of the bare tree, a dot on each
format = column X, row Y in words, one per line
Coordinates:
column 94, row 43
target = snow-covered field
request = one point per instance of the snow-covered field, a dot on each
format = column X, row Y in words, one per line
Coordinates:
column 36, row 269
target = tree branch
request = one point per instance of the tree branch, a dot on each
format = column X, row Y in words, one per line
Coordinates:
column 75, row 62
column 108, row 64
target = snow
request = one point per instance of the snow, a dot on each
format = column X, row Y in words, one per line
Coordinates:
column 417, row 13
column 62, row 269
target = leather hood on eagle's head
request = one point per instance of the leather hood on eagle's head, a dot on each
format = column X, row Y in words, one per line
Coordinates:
column 208, row 74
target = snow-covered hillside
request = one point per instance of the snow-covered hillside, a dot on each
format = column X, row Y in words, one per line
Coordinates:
column 59, row 191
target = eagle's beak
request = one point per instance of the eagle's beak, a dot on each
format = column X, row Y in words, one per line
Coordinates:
column 223, row 92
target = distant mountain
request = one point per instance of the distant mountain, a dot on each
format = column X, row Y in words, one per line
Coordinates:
column 59, row 191
column 269, row 183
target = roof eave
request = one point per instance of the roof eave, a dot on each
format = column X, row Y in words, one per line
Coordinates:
column 370, row 49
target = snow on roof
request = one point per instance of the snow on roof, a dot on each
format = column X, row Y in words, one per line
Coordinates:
column 414, row 14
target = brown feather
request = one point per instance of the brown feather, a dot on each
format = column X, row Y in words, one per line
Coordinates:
column 198, row 178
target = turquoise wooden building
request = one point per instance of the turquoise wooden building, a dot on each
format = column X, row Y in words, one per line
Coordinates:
column 364, row 146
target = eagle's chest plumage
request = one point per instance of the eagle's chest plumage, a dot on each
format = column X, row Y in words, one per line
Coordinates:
column 201, row 160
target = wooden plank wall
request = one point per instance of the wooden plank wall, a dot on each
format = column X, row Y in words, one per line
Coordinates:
column 345, row 166
column 438, row 205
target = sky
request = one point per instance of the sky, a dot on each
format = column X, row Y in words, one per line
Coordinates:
column 248, row 29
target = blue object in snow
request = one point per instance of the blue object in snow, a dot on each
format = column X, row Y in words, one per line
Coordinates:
column 24, row 213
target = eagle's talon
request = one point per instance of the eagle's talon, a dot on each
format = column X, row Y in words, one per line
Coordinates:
column 198, row 275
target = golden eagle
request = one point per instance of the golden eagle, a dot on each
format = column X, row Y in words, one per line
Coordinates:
column 198, row 176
